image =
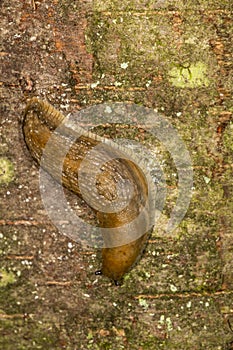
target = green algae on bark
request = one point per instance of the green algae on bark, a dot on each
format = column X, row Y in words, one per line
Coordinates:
column 190, row 76
column 7, row 173
column 6, row 278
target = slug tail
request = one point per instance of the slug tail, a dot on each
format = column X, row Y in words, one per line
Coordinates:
column 47, row 113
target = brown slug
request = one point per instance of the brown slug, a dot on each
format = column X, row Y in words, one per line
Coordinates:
column 41, row 121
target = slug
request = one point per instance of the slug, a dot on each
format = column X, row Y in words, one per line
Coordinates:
column 41, row 120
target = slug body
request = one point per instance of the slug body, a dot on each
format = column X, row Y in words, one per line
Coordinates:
column 41, row 121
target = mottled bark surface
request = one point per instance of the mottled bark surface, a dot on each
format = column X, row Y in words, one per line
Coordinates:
column 173, row 56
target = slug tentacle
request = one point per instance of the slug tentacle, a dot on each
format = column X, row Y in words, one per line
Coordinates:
column 125, row 223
